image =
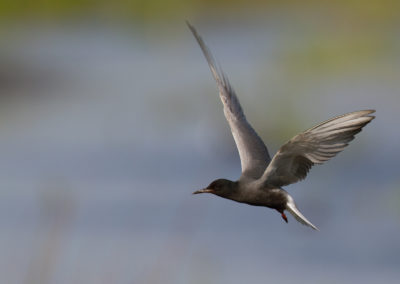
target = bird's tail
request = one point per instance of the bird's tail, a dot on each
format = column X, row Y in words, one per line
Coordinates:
column 291, row 207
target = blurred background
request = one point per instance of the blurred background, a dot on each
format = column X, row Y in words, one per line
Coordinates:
column 110, row 119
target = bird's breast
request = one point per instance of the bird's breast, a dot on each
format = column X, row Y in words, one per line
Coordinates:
column 269, row 197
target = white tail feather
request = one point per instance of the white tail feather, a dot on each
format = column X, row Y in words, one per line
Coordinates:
column 292, row 209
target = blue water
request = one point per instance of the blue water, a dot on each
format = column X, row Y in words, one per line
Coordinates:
column 102, row 148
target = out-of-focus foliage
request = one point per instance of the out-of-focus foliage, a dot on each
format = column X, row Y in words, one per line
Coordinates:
column 356, row 11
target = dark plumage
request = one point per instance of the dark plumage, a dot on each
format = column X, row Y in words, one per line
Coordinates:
column 262, row 178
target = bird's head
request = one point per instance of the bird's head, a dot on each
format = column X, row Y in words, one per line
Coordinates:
column 220, row 187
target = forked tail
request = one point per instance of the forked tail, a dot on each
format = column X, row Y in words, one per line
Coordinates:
column 291, row 207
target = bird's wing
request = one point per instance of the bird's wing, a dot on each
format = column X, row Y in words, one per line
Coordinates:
column 253, row 153
column 314, row 146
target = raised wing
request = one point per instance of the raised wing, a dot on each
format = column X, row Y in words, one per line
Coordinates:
column 314, row 146
column 253, row 154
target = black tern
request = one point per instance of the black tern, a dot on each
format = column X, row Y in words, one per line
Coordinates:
column 262, row 178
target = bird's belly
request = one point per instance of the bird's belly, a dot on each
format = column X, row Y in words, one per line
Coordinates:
column 272, row 198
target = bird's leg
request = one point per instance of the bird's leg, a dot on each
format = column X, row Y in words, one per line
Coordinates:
column 283, row 215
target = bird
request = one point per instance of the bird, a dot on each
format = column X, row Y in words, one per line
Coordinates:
column 262, row 178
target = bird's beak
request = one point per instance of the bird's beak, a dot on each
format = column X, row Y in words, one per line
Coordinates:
column 204, row 190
